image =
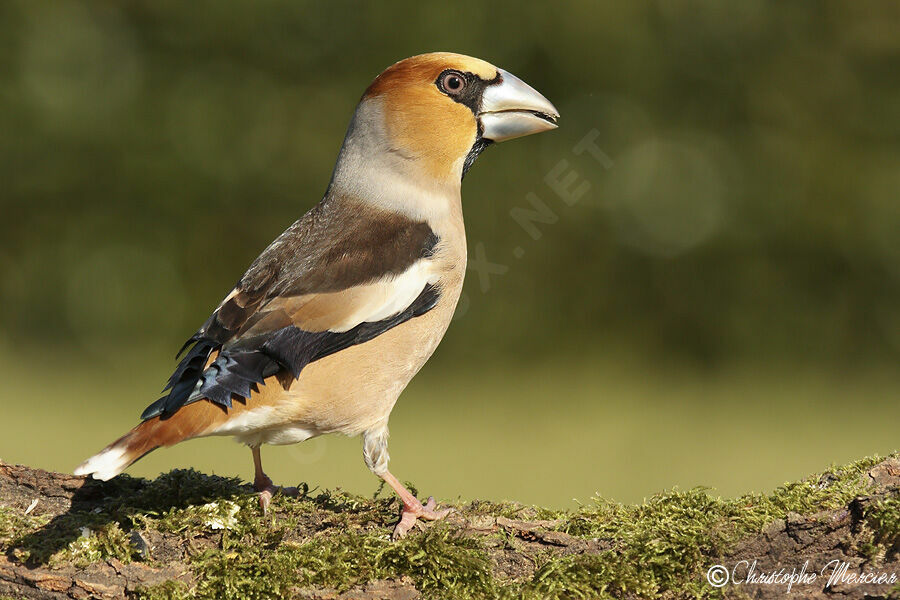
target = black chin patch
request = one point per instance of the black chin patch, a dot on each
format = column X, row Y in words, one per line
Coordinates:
column 477, row 148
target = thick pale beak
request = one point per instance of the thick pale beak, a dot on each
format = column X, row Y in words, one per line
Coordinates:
column 511, row 108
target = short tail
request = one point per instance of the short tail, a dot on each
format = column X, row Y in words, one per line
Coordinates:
column 190, row 421
column 116, row 457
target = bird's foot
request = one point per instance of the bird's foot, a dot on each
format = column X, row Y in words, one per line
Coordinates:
column 267, row 489
column 413, row 511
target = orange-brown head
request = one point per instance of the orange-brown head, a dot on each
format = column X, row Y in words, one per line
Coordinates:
column 439, row 110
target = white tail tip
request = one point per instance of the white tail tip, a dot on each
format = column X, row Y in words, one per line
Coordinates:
column 105, row 465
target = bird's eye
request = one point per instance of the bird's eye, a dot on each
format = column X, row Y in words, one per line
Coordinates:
column 452, row 82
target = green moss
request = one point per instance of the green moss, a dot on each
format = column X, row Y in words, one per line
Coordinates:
column 339, row 540
column 663, row 544
column 253, row 574
column 14, row 524
column 40, row 546
column 588, row 576
column 168, row 502
column 833, row 489
column 184, row 487
column 513, row 510
column 107, row 542
column 439, row 561
column 659, row 545
column 883, row 519
column 689, row 514
column 170, row 590
column 212, row 516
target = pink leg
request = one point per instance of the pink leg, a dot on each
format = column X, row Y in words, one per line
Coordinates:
column 412, row 508
column 263, row 485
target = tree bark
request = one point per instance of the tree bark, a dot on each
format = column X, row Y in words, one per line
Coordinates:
column 157, row 557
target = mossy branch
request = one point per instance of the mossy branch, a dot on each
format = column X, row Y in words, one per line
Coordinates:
column 189, row 535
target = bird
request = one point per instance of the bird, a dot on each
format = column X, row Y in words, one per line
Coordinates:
column 329, row 324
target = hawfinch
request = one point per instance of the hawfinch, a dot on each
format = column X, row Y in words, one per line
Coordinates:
column 327, row 327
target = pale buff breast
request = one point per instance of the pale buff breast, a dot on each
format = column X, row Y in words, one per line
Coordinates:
column 356, row 389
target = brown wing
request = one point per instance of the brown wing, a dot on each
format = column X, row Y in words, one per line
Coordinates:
column 341, row 275
column 336, row 246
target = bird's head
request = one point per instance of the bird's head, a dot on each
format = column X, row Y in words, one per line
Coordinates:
column 438, row 111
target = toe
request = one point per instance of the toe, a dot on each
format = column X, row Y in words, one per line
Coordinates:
column 429, row 512
column 407, row 520
column 293, row 492
column 265, row 497
column 435, row 515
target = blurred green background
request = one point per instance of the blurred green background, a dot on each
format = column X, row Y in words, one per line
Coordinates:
column 720, row 307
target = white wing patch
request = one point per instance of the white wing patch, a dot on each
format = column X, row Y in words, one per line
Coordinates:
column 389, row 296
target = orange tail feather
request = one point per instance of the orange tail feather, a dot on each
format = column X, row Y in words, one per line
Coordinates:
column 194, row 420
